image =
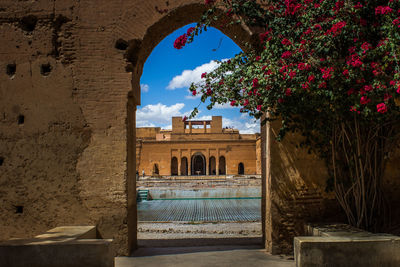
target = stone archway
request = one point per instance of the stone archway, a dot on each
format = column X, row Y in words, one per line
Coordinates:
column 198, row 164
column 174, row 166
column 240, row 168
column 136, row 54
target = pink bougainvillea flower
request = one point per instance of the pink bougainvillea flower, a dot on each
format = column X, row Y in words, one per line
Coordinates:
column 364, row 100
column 354, row 109
column 194, row 92
column 259, row 107
column 327, row 73
column 346, row 73
column 386, row 97
column 245, row 102
column 292, row 74
column 383, row 10
column 322, row 85
column 286, row 54
column 233, row 102
column 311, row 78
column 209, row 91
column 190, row 30
column 281, row 100
column 286, row 42
column 185, row 118
column 368, row 88
column 180, row 41
column 203, row 75
column 381, row 108
column 288, row 92
column 255, row 82
column 358, row 5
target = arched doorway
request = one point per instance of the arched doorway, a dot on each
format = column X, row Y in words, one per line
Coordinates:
column 241, row 168
column 184, row 166
column 222, row 167
column 198, row 164
column 212, row 166
column 136, row 54
column 156, row 171
column 174, row 166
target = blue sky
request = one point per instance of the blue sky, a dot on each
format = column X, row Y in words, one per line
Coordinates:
column 168, row 73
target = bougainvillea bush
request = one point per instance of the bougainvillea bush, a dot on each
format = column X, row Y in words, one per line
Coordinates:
column 326, row 69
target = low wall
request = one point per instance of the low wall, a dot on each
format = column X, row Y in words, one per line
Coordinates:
column 240, row 192
column 71, row 246
column 346, row 246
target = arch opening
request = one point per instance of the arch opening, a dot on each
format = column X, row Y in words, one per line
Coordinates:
column 241, row 168
column 212, row 166
column 184, row 166
column 174, row 166
column 198, row 164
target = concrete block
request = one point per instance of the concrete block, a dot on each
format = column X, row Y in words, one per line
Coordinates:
column 335, row 251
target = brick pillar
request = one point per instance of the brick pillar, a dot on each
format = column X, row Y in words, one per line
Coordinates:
column 180, row 162
column 217, row 163
column 205, row 126
column 190, row 127
column 190, row 163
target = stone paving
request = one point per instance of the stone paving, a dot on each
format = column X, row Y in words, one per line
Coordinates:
column 217, row 210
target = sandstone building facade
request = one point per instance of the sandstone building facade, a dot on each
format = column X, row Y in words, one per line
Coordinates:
column 207, row 150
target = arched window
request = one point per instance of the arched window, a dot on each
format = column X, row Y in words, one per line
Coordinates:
column 174, row 166
column 184, row 166
column 222, row 167
column 241, row 168
column 212, row 166
column 156, row 171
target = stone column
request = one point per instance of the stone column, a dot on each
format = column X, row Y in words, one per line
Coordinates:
column 179, row 162
column 207, row 160
column 205, row 126
column 190, row 163
column 190, row 127
column 217, row 163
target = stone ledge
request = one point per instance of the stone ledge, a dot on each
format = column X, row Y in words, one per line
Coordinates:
column 346, row 246
column 67, row 246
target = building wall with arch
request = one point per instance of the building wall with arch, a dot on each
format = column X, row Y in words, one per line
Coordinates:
column 69, row 86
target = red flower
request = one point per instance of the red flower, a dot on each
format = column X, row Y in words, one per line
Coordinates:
column 180, row 41
column 292, row 74
column 281, row 100
column 364, row 100
column 383, row 10
column 336, row 28
column 259, row 107
column 288, row 92
column 203, row 75
column 322, row 85
column 209, row 91
column 305, row 86
column 233, row 102
column 194, row 92
column 386, row 97
column 286, row 54
column 346, row 73
column 326, row 73
column 368, row 88
column 185, row 118
column 258, row 58
column 354, row 109
column 311, row 78
column 245, row 102
column 286, row 42
column 365, row 47
column 255, row 82
column 358, row 5
column 381, row 108
column 190, row 30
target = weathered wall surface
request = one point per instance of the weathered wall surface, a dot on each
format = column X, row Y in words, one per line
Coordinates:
column 295, row 190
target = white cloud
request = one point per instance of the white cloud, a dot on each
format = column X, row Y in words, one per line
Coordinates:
column 245, row 124
column 224, row 106
column 191, row 76
column 144, row 87
column 159, row 114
